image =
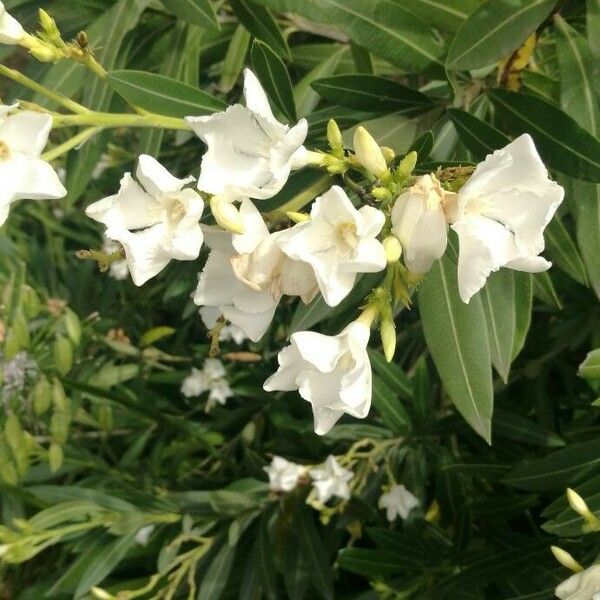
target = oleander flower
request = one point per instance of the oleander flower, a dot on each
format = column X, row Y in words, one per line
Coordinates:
column 212, row 379
column 156, row 220
column 333, row 373
column 581, row 586
column 250, row 153
column 501, row 215
column 11, row 31
column 419, row 222
column 338, row 242
column 331, row 480
column 283, row 474
column 24, row 175
column 398, row 502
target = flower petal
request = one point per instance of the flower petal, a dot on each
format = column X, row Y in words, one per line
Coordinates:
column 156, row 180
column 26, row 132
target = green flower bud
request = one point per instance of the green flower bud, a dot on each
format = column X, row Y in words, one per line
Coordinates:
column 30, row 302
column 393, row 248
column 73, row 326
column 41, row 397
column 11, row 344
column 388, row 338
column 63, row 354
column 59, row 398
column 407, row 165
column 55, row 457
column 334, row 137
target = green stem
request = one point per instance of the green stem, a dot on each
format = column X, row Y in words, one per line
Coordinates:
column 120, row 120
column 75, row 141
column 18, row 77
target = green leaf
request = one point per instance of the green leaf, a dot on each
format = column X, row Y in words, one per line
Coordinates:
column 562, row 143
column 234, row 59
column 392, row 375
column 495, row 30
column 195, row 12
column 498, row 300
column 163, row 95
column 523, row 288
column 371, row 93
column 519, row 429
column 593, row 26
column 590, row 367
column 456, row 334
column 543, row 288
column 563, row 252
column 540, row 84
column 479, row 137
column 275, row 78
column 386, row 28
column 389, row 407
column 261, row 24
column 448, row 15
column 305, row 97
column 106, row 559
column 558, row 470
column 375, row 563
column 588, row 228
column 215, row 579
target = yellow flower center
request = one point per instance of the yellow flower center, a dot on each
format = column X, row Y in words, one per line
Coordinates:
column 347, row 235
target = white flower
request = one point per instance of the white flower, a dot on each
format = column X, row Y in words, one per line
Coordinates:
column 250, row 154
column 333, row 373
column 398, row 502
column 501, row 215
column 195, row 384
column 581, row 586
column 232, row 333
column 23, row 173
column 246, row 274
column 11, row 31
column 213, row 368
column 283, row 474
column 154, row 223
column 337, row 242
column 330, row 480
column 143, row 534
column 219, row 392
column 419, row 222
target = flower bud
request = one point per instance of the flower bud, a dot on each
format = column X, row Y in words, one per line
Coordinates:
column 63, row 354
column 334, row 136
column 368, row 153
column 577, row 503
column 73, row 326
column 226, row 215
column 41, row 396
column 388, row 338
column 55, row 457
column 59, row 398
column 565, row 559
column 388, row 153
column 382, row 194
column 45, row 53
column 393, row 248
column 49, row 26
column 30, row 301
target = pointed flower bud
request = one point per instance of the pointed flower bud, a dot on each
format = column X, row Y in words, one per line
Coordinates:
column 407, row 165
column 565, row 559
column 393, row 248
column 388, row 153
column 388, row 338
column 334, row 137
column 368, row 153
column 226, row 215
column 49, row 27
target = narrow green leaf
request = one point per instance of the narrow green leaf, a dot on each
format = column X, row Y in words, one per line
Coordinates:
column 375, row 563
column 562, row 143
column 539, row 84
column 590, row 367
column 275, row 78
column 105, row 561
column 587, row 196
column 195, row 12
column 234, row 59
column 494, row 30
column 498, row 299
column 523, row 288
column 389, row 407
column 260, row 23
column 392, row 375
column 479, row 137
column 448, row 15
column 162, row 94
column 563, row 252
column 215, row 579
column 456, row 335
column 593, row 26
column 371, row 93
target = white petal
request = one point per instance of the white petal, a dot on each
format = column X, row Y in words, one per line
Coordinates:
column 325, row 418
column 254, row 325
column 371, row 221
column 255, row 230
column 10, row 29
column 428, row 241
column 334, row 207
column 217, row 284
column 6, row 108
column 24, row 177
column 130, row 208
column 255, row 96
column 529, row 264
column 155, row 179
column 290, row 365
column 26, row 132
column 143, row 250
column 209, row 315
column 485, row 246
column 369, row 258
column 320, row 351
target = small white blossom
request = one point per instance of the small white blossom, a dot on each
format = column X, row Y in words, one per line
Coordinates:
column 219, row 392
column 213, row 368
column 11, row 31
column 501, row 215
column 283, row 474
column 155, row 222
column 330, row 480
column 581, row 586
column 195, row 384
column 419, row 222
column 333, row 373
column 24, row 175
column 398, row 502
column 250, row 154
column 143, row 534
column 338, row 242
column 232, row 333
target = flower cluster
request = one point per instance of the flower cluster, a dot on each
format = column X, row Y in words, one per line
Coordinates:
column 394, row 222
column 332, row 480
column 212, row 379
